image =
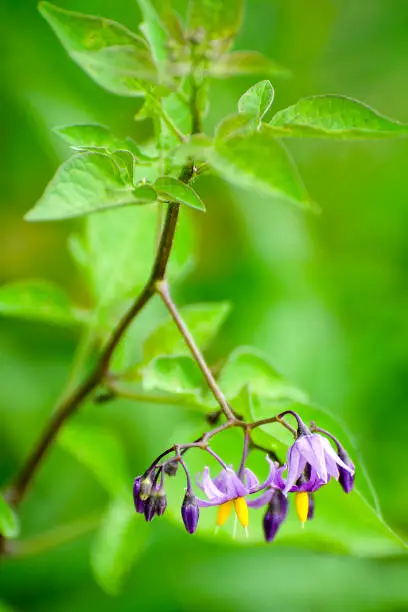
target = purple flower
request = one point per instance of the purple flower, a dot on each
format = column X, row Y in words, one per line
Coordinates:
column 228, row 490
column 190, row 512
column 275, row 514
column 314, row 450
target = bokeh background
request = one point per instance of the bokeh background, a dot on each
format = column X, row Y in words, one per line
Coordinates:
column 325, row 297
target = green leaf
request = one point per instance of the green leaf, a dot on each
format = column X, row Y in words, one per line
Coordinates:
column 258, row 162
column 257, row 100
column 38, row 300
column 247, row 367
column 109, row 53
column 334, row 116
column 121, row 539
column 232, row 125
column 171, row 189
column 119, row 267
column 88, row 136
column 94, row 137
column 100, row 452
column 87, row 183
column 219, row 19
column 154, row 31
column 203, row 321
column 9, row 526
column 246, row 63
column 178, row 374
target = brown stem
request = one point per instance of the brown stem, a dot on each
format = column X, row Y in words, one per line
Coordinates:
column 70, row 404
column 163, row 290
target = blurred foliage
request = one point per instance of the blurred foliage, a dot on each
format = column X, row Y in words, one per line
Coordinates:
column 324, row 297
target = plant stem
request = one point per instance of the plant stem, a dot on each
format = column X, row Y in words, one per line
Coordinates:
column 163, row 290
column 69, row 404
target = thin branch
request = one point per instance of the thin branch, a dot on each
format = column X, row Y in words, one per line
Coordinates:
column 69, row 405
column 163, row 290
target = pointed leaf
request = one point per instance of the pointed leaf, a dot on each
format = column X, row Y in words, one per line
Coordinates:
column 232, row 125
column 9, row 526
column 332, row 116
column 121, row 539
column 109, row 53
column 219, row 19
column 119, row 267
column 93, row 136
column 246, row 62
column 178, row 374
column 203, row 321
column 247, row 367
column 37, row 300
column 257, row 161
column 171, row 189
column 100, row 452
column 154, row 31
column 86, row 183
column 257, row 100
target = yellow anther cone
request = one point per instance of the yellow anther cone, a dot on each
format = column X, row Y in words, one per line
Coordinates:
column 241, row 509
column 302, row 506
column 223, row 513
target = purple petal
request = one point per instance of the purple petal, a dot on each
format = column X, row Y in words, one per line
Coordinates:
column 209, row 488
column 330, row 452
column 270, row 480
column 204, row 503
column 296, row 464
column 311, row 448
column 261, row 500
column 250, row 480
column 233, row 485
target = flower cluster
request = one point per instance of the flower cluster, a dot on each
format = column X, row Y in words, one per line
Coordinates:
column 312, row 461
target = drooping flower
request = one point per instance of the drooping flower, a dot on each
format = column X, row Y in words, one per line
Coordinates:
column 314, row 450
column 228, row 491
column 314, row 453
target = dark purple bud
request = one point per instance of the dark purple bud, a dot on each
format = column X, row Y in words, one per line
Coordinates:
column 139, row 504
column 150, row 508
column 311, row 508
column 275, row 515
column 171, row 468
column 161, row 503
column 145, row 487
column 190, row 512
column 346, row 479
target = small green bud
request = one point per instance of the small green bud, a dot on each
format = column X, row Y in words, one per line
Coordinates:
column 145, row 488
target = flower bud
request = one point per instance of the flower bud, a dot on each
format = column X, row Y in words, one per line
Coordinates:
column 171, row 468
column 150, row 508
column 145, row 487
column 161, row 503
column 139, row 504
column 275, row 514
column 346, row 479
column 190, row 512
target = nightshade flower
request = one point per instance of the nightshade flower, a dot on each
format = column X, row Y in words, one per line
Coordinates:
column 228, row 490
column 312, row 449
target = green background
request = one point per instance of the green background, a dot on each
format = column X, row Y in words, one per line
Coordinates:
column 325, row 297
